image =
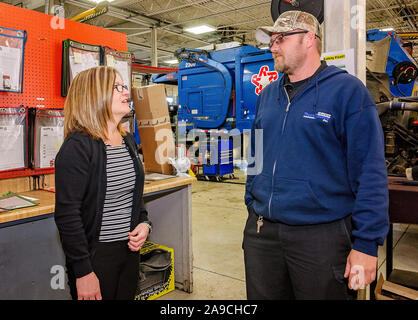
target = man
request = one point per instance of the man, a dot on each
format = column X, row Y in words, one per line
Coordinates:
column 318, row 208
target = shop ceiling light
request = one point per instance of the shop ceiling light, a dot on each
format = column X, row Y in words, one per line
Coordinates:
column 386, row 29
column 174, row 61
column 200, row 29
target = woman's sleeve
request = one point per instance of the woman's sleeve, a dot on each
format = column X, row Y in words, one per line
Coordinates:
column 71, row 181
column 143, row 213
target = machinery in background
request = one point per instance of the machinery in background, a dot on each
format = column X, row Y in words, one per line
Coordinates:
column 218, row 90
column 217, row 158
column 217, row 94
column 386, row 52
column 391, row 79
column 400, row 126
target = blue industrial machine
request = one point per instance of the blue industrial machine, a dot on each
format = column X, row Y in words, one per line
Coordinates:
column 218, row 90
column 400, row 65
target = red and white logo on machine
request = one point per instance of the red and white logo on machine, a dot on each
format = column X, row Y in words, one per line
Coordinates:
column 263, row 78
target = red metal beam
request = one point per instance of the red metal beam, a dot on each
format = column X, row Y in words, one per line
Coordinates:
column 149, row 69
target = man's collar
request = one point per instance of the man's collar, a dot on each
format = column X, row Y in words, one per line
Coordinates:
column 286, row 80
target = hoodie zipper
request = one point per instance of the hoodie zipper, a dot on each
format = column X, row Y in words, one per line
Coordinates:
column 272, row 182
column 275, row 161
column 287, row 110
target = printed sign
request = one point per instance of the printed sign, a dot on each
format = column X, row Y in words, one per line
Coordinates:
column 341, row 59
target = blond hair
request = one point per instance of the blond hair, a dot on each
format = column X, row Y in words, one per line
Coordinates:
column 88, row 107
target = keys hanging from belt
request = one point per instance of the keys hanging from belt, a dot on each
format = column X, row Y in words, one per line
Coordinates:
column 259, row 223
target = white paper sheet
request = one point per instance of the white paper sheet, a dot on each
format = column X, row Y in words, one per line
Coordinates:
column 123, row 68
column 10, row 66
column 82, row 61
column 12, row 152
column 50, row 142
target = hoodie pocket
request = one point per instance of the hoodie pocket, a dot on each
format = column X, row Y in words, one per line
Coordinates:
column 261, row 186
column 295, row 195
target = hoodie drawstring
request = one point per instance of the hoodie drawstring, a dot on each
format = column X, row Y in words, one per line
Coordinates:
column 316, row 95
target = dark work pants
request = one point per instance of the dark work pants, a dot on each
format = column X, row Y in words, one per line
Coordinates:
column 307, row 262
column 117, row 268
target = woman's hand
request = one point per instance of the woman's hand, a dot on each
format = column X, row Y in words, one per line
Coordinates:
column 88, row 287
column 138, row 236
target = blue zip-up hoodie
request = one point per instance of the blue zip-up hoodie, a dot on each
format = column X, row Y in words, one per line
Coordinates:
column 323, row 157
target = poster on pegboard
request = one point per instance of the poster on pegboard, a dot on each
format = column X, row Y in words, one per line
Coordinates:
column 43, row 56
column 12, row 54
column 77, row 57
column 122, row 62
column 43, row 53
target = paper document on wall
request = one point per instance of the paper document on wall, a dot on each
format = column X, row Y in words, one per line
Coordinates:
column 12, row 150
column 50, row 142
column 10, row 68
column 123, row 69
column 341, row 59
column 82, row 61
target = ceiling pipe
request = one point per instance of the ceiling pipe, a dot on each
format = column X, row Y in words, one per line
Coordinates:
column 406, row 13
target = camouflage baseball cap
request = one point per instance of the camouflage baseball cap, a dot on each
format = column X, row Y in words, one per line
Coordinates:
column 289, row 21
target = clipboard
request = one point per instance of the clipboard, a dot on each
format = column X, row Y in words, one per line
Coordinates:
column 12, row 53
column 10, row 201
column 121, row 61
column 77, row 57
column 13, row 138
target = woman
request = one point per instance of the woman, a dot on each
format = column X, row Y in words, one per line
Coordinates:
column 99, row 181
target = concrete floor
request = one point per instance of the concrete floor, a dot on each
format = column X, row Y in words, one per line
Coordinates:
column 219, row 216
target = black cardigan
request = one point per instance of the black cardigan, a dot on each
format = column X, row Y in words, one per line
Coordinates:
column 80, row 186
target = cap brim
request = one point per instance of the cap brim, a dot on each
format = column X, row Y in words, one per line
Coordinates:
column 263, row 34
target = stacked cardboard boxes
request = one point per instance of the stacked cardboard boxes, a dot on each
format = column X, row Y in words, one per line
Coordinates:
column 153, row 121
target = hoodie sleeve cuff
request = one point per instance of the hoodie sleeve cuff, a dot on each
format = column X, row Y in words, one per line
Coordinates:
column 365, row 246
column 82, row 268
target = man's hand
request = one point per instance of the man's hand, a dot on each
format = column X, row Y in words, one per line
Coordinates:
column 88, row 287
column 138, row 236
column 361, row 269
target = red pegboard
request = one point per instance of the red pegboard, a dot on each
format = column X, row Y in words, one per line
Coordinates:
column 43, row 57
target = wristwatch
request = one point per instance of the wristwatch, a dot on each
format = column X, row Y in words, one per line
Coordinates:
column 149, row 224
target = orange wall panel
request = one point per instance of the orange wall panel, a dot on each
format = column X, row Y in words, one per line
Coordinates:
column 43, row 53
column 43, row 58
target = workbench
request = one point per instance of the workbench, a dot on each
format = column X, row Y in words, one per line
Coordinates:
column 403, row 208
column 31, row 256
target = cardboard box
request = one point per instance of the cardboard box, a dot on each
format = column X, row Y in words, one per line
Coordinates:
column 156, row 271
column 154, row 127
column 157, row 146
column 386, row 290
column 150, row 102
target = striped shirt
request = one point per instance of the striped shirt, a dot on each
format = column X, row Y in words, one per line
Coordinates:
column 117, row 208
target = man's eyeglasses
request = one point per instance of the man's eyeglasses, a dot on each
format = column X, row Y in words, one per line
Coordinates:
column 280, row 37
column 120, row 87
